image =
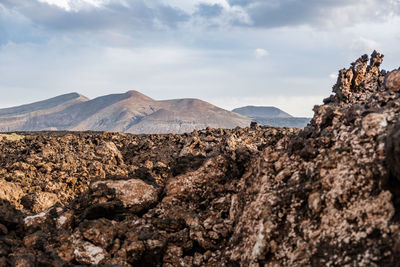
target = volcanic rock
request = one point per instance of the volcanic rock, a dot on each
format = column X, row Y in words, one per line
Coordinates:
column 392, row 82
column 134, row 194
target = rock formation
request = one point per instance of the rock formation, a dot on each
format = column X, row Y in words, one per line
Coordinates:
column 327, row 195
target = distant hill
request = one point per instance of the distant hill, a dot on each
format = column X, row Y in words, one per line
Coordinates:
column 262, row 112
column 131, row 112
column 272, row 116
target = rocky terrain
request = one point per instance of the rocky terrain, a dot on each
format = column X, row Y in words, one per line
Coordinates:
column 131, row 112
column 327, row 195
column 272, row 116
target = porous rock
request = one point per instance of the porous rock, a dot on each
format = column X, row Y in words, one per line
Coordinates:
column 135, row 194
column 392, row 81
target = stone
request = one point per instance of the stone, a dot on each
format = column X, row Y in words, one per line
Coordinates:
column 87, row 253
column 36, row 220
column 359, row 69
column 11, row 192
column 392, row 149
column 374, row 124
column 392, row 81
column 43, row 200
column 314, row 202
column 134, row 193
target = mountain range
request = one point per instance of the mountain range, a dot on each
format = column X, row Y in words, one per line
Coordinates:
column 131, row 112
column 272, row 116
column 134, row 112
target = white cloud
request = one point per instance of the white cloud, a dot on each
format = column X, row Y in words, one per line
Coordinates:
column 64, row 4
column 365, row 45
column 260, row 53
column 333, row 76
column 76, row 5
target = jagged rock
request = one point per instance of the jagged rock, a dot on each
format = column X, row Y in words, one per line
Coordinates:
column 375, row 62
column 359, row 70
column 343, row 85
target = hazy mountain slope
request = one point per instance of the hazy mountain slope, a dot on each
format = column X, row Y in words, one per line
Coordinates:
column 43, row 105
column 185, row 115
column 262, row 112
column 293, row 122
column 119, row 115
column 130, row 112
column 27, row 117
column 272, row 116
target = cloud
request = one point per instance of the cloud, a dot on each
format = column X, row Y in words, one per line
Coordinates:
column 333, row 76
column 260, row 53
column 61, row 16
column 365, row 44
column 316, row 13
column 209, row 11
column 139, row 15
column 77, row 5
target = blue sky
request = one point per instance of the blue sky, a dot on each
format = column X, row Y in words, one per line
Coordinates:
column 231, row 53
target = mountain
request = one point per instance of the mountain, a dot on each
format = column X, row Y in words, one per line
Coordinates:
column 262, row 112
column 272, row 116
column 19, row 118
column 131, row 112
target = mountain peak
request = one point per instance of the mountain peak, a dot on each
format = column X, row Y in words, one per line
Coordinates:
column 262, row 111
column 74, row 95
column 137, row 95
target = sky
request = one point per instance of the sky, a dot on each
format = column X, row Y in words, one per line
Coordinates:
column 231, row 53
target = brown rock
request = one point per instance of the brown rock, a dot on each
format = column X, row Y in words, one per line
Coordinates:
column 11, row 192
column 392, row 147
column 392, row 81
column 343, row 85
column 374, row 124
column 314, row 202
column 40, row 201
column 87, row 253
column 359, row 70
column 134, row 194
column 36, row 220
column 100, row 232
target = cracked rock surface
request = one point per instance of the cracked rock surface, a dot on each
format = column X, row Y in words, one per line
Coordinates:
column 327, row 195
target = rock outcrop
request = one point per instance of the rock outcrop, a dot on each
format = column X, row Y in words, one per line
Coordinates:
column 327, row 195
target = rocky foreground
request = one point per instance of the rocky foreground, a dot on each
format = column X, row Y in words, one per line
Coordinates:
column 327, row 195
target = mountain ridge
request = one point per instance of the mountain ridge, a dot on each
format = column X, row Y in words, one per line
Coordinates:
column 272, row 116
column 129, row 112
column 262, row 111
